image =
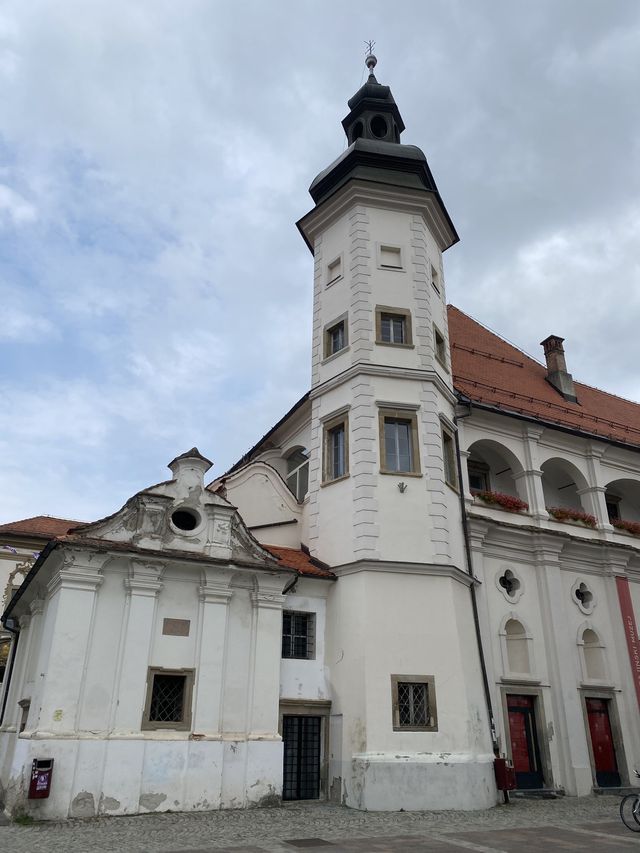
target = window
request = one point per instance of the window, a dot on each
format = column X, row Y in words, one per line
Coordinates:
column 434, row 279
column 440, row 346
column 390, row 257
column 517, row 645
column 393, row 326
column 334, row 270
column 335, row 336
column 613, row 507
column 298, row 635
column 414, row 703
column 399, row 442
column 168, row 704
column 5, row 646
column 478, row 475
column 336, row 449
column 449, row 458
column 298, row 472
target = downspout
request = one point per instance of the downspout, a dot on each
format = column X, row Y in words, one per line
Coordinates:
column 472, row 588
column 9, row 671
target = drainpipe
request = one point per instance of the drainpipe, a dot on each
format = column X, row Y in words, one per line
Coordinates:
column 472, row 588
column 9, row 670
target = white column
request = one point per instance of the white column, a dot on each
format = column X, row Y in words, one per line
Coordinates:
column 214, row 600
column 143, row 585
column 73, row 592
column 265, row 690
column 532, row 475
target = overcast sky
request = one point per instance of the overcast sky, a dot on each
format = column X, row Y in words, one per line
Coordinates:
column 154, row 157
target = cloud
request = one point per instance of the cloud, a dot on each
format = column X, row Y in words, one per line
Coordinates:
column 14, row 208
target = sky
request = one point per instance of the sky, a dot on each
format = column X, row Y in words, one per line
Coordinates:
column 155, row 293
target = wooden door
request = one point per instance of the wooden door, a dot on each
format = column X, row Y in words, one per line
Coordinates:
column 602, row 747
column 525, row 752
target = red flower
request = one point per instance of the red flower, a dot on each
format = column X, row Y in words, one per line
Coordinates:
column 508, row 502
column 566, row 513
column 630, row 526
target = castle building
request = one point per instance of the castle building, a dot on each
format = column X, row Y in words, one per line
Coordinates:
column 430, row 560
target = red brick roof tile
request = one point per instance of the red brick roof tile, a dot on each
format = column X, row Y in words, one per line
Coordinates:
column 491, row 371
column 40, row 526
column 293, row 558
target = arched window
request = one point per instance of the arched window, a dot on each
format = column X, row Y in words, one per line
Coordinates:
column 517, row 647
column 593, row 656
column 298, row 472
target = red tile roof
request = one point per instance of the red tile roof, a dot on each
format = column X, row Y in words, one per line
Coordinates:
column 299, row 560
column 490, row 371
column 40, row 526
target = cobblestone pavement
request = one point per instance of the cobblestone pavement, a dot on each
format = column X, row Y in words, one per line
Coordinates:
column 526, row 826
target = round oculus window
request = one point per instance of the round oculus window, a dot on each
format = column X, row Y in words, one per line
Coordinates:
column 379, row 127
column 185, row 519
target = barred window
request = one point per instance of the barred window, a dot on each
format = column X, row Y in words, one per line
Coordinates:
column 414, row 705
column 298, row 635
column 168, row 704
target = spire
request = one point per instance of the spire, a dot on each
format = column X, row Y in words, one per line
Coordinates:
column 374, row 114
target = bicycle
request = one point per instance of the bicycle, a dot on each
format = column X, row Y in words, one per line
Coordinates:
column 630, row 810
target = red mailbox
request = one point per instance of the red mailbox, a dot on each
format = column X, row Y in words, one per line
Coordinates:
column 41, row 773
column 505, row 774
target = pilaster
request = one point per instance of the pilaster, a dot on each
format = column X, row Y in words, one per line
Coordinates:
column 214, row 598
column 267, row 604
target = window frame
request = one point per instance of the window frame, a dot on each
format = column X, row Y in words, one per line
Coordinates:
column 435, row 279
column 399, row 414
column 390, row 247
column 342, row 320
column 310, row 637
column 432, row 708
column 440, row 347
column 449, row 440
column 328, row 426
column 402, row 313
column 336, row 262
column 296, row 471
column 480, row 469
column 183, row 725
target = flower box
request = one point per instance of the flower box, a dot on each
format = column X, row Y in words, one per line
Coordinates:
column 501, row 501
column 632, row 527
column 565, row 513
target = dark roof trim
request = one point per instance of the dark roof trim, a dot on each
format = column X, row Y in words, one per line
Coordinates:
column 247, row 456
column 33, row 571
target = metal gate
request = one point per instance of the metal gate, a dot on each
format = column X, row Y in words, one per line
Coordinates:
column 301, row 736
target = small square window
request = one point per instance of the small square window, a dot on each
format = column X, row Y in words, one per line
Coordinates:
column 414, row 703
column 440, row 346
column 478, row 476
column 334, row 270
column 335, row 337
column 390, row 257
column 399, row 442
column 298, row 635
column 393, row 326
column 336, row 449
column 449, row 458
column 168, row 704
column 434, row 279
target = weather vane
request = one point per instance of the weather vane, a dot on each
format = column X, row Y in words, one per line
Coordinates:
column 370, row 60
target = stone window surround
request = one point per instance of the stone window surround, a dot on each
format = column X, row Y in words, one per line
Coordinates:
column 380, row 247
column 449, row 429
column 185, row 723
column 440, row 342
column 328, row 422
column 404, row 314
column 521, row 677
column 403, row 411
column 429, row 680
column 336, row 263
column 327, row 354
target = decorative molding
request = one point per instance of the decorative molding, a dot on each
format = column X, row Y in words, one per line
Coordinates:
column 392, row 567
column 368, row 369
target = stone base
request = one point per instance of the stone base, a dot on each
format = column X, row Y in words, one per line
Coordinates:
column 419, row 782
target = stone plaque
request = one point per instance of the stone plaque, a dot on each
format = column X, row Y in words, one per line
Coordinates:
column 176, row 627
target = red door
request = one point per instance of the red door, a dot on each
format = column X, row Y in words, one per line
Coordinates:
column 604, row 753
column 525, row 753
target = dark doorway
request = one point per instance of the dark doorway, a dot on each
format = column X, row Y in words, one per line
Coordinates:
column 525, row 751
column 604, row 753
column 301, row 736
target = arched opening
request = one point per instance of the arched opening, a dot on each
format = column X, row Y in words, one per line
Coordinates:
column 593, row 651
column 517, row 647
column 493, row 468
column 297, row 477
column 623, row 503
column 356, row 131
column 561, row 482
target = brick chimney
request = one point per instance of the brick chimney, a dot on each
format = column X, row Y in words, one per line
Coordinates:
column 557, row 368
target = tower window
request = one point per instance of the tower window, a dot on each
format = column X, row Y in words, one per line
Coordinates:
column 413, row 699
column 393, row 326
column 399, row 442
column 390, row 257
column 335, row 336
column 334, row 270
column 440, row 346
column 336, row 449
column 379, row 127
column 356, row 131
column 449, row 458
column 434, row 279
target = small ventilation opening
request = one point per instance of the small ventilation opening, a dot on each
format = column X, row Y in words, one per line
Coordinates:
column 185, row 519
column 378, row 127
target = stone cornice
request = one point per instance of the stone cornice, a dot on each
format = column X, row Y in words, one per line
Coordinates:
column 369, row 369
column 395, row 567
